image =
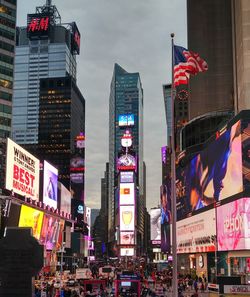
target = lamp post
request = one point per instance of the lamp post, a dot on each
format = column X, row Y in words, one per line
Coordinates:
column 61, row 267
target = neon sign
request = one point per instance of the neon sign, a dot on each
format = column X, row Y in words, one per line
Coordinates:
column 38, row 25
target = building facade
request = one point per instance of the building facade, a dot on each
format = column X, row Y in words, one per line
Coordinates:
column 7, row 53
column 126, row 101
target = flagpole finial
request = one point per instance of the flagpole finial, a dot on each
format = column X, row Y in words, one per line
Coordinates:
column 172, row 35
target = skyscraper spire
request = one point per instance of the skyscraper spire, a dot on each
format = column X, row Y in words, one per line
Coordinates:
column 48, row 2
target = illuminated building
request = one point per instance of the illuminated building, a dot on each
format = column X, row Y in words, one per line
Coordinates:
column 125, row 113
column 7, row 49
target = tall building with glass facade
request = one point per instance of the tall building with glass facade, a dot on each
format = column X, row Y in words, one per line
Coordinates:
column 7, row 49
column 126, row 97
column 45, row 49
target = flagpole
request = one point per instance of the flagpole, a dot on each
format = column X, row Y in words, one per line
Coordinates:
column 173, row 179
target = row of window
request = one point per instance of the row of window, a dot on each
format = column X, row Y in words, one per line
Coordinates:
column 6, row 46
column 5, row 108
column 6, row 83
column 7, row 33
column 6, row 71
column 7, row 23
column 7, row 10
column 11, row 1
column 5, row 96
column 6, row 59
column 5, row 121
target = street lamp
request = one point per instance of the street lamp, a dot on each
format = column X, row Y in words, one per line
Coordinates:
column 61, row 266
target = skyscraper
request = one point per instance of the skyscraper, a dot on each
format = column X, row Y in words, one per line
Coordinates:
column 7, row 49
column 125, row 113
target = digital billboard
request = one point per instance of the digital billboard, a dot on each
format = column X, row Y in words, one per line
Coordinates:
column 245, row 126
column 126, row 177
column 127, row 193
column 126, row 120
column 127, row 218
column 75, row 39
column 211, row 176
column 65, row 199
column 77, row 164
column 155, row 220
column 50, row 184
column 127, row 238
column 164, row 154
column 165, row 199
column 126, row 162
column 31, row 217
column 127, row 251
column 233, row 231
column 197, row 233
column 38, row 25
column 22, row 171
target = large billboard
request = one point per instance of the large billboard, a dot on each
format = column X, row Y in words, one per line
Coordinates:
column 38, row 25
column 197, row 233
column 126, row 177
column 127, row 218
column 50, row 184
column 125, row 120
column 31, row 217
column 211, row 176
column 127, row 193
column 165, row 198
column 155, row 231
column 65, row 199
column 127, row 238
column 75, row 39
column 126, row 162
column 233, row 231
column 127, row 251
column 22, row 171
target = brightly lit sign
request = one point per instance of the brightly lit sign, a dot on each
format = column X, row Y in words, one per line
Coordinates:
column 65, row 199
column 50, row 180
column 22, row 171
column 127, row 218
column 33, row 218
column 127, row 251
column 126, row 162
column 126, row 140
column 127, row 193
column 155, row 218
column 38, row 25
column 127, row 238
column 126, row 120
column 233, row 225
column 126, row 177
column 76, row 39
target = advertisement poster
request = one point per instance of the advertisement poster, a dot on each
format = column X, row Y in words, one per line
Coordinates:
column 65, row 199
column 155, row 219
column 127, row 194
column 211, row 176
column 126, row 162
column 197, row 234
column 126, row 120
column 50, row 232
column 31, row 217
column 126, row 176
column 50, row 184
column 127, row 238
column 127, row 251
column 165, row 217
column 127, row 218
column 233, row 225
column 22, row 171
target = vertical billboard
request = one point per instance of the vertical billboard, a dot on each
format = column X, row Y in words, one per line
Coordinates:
column 31, row 217
column 125, row 120
column 211, row 176
column 50, row 184
column 233, row 230
column 126, row 177
column 155, row 220
column 165, row 218
column 22, row 171
column 77, row 168
column 127, row 193
column 127, row 252
column 127, row 218
column 127, row 238
column 65, row 199
column 197, row 233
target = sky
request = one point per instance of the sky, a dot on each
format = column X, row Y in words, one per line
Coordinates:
column 136, row 35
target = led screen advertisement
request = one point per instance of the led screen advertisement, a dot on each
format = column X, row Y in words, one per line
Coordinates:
column 76, row 38
column 127, row 238
column 245, row 126
column 65, row 199
column 212, row 175
column 38, row 25
column 197, row 233
column 31, row 217
column 233, row 229
column 126, row 120
column 126, row 162
column 165, row 199
column 127, row 218
column 155, row 220
column 127, row 193
column 50, row 184
column 126, row 177
column 127, row 251
column 22, row 171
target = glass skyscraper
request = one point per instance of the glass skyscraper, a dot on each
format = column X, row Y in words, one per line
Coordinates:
column 126, row 97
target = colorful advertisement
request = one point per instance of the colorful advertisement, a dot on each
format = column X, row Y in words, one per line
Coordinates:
column 155, row 231
column 211, row 175
column 164, row 154
column 126, row 162
column 245, row 126
column 127, row 218
column 126, row 120
column 165, row 217
column 75, row 39
column 197, row 234
column 52, row 232
column 50, row 184
column 127, row 194
column 38, row 25
column 31, row 217
column 127, row 251
column 65, row 201
column 22, row 171
column 127, row 238
column 233, row 225
column 126, row 177
column 77, row 164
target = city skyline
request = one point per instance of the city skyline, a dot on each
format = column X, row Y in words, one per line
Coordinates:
column 107, row 32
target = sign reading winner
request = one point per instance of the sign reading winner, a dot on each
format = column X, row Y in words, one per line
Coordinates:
column 22, row 171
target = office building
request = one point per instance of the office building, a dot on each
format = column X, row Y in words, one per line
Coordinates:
column 7, row 50
column 125, row 116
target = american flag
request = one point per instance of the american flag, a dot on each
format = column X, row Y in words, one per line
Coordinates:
column 186, row 63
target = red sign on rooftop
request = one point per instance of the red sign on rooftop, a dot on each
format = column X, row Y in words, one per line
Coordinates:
column 38, row 25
